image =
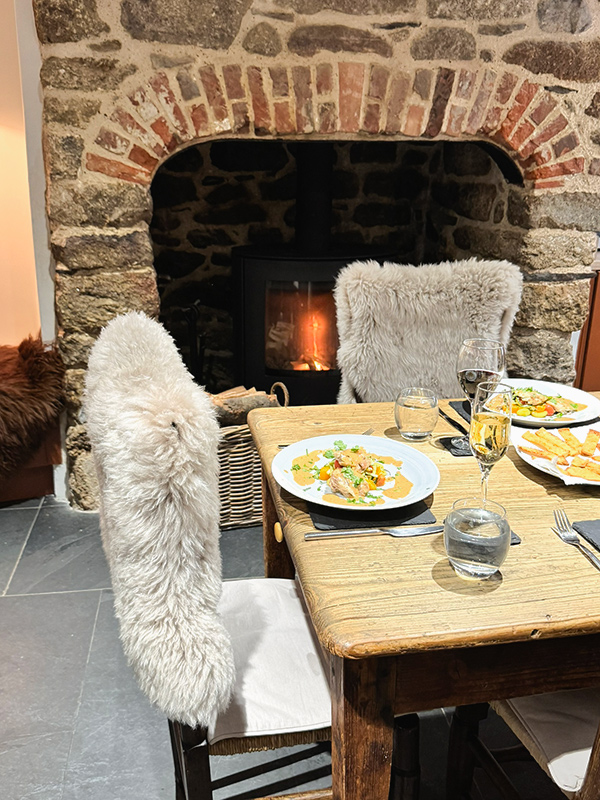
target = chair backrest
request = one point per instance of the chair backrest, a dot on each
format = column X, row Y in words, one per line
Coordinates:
column 154, row 440
column 401, row 325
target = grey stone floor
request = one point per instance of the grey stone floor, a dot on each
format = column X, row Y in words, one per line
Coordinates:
column 73, row 724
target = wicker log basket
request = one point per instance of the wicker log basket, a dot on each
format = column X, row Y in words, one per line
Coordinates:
column 240, row 485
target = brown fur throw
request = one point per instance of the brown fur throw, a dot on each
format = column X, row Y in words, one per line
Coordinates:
column 31, row 399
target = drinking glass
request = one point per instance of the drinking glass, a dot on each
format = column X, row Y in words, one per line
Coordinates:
column 478, row 360
column 476, row 537
column 489, row 432
column 416, row 412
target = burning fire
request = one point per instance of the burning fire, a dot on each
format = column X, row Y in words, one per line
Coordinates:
column 313, row 343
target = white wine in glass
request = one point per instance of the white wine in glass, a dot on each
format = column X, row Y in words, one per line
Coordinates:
column 489, row 432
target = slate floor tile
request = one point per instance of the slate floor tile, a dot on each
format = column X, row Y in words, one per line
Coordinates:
column 14, row 529
column 44, row 646
column 63, row 553
column 20, row 504
column 121, row 744
column 302, row 769
column 32, row 767
column 242, row 553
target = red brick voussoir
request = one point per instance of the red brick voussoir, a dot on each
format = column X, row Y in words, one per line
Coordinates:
column 116, row 169
column 339, row 97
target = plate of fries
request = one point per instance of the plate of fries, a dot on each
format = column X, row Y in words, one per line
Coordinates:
column 571, row 454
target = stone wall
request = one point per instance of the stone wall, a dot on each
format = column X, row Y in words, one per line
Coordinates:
column 128, row 83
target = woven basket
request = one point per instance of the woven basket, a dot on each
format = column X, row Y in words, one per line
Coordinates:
column 240, row 474
column 240, row 482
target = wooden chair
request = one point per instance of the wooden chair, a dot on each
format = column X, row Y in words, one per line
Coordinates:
column 401, row 325
column 559, row 730
column 234, row 665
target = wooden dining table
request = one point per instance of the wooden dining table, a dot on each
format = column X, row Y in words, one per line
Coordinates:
column 402, row 630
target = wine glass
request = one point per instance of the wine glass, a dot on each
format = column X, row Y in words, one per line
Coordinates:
column 489, row 432
column 478, row 360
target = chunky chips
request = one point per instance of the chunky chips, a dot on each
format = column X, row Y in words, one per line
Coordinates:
column 573, row 457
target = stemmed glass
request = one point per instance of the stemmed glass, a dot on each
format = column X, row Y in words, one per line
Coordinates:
column 489, row 432
column 478, row 360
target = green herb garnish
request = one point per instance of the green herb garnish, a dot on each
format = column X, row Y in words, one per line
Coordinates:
column 349, row 473
column 339, row 445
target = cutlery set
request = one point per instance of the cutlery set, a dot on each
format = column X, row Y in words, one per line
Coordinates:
column 399, row 532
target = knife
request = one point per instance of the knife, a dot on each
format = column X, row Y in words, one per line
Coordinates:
column 453, row 422
column 400, row 532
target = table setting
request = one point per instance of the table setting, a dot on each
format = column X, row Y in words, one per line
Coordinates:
column 350, row 483
column 384, row 585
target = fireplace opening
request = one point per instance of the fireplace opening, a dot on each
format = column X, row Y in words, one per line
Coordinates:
column 219, row 206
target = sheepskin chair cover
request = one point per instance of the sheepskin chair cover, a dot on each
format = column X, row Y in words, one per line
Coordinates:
column 154, row 441
column 32, row 397
column 401, row 325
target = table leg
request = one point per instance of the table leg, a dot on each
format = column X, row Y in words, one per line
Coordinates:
column 278, row 562
column 362, row 727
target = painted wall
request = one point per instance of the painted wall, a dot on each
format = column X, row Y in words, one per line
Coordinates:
column 19, row 303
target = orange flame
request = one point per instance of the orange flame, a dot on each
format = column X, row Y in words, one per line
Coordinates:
column 313, row 339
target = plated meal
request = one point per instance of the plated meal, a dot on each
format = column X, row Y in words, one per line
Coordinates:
column 572, row 455
column 355, row 471
column 542, row 403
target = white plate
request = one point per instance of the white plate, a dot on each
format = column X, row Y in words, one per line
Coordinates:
column 416, row 467
column 591, row 411
column 543, row 464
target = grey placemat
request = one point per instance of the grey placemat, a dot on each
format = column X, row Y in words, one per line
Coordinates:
column 590, row 530
column 325, row 520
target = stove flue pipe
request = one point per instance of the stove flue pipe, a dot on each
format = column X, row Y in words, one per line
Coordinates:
column 314, row 163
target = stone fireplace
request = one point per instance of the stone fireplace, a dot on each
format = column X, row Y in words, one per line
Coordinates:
column 493, row 104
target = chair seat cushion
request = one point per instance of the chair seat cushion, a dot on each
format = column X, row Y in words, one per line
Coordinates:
column 562, row 727
column 281, row 684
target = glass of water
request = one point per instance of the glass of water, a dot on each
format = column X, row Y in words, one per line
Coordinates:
column 416, row 412
column 476, row 537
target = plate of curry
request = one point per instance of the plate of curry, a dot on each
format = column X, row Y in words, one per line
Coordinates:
column 358, row 472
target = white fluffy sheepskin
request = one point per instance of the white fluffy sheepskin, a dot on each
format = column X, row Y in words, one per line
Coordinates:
column 154, row 441
column 401, row 325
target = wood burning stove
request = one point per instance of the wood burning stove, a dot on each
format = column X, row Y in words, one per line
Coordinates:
column 285, row 323
column 284, row 326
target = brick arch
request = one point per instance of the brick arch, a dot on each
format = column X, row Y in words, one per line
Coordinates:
column 342, row 99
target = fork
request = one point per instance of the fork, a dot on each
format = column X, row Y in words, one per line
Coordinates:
column 565, row 531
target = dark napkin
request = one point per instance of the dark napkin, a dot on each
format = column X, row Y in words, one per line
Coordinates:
column 324, row 520
column 446, row 442
column 462, row 407
column 590, row 530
